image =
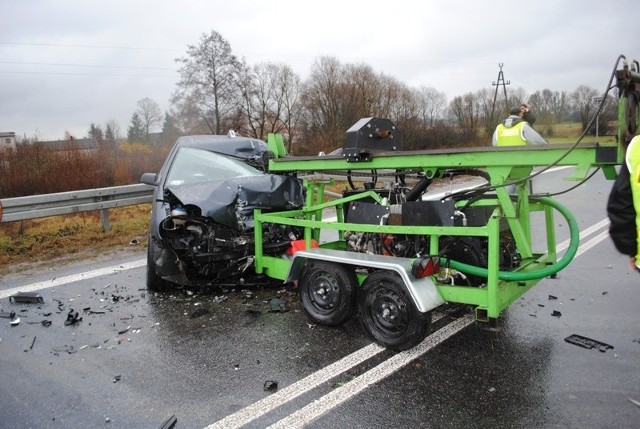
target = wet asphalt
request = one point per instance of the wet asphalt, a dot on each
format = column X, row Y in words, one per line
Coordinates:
column 133, row 358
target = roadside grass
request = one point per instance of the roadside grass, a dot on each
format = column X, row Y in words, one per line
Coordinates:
column 29, row 243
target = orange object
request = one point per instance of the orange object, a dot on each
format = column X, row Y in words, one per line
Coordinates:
column 300, row 245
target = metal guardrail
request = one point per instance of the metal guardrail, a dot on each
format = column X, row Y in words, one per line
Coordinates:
column 99, row 199
column 62, row 203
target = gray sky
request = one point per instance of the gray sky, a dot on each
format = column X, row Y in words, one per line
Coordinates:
column 67, row 63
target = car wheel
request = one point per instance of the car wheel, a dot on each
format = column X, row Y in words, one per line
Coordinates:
column 389, row 314
column 328, row 292
column 154, row 281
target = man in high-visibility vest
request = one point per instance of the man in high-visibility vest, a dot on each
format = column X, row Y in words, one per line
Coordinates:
column 516, row 129
column 623, row 206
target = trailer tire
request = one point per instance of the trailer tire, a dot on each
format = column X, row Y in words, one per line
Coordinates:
column 389, row 314
column 328, row 292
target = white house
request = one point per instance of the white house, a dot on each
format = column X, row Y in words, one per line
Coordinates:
column 7, row 140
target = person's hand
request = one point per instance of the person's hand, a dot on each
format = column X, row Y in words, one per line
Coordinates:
column 632, row 264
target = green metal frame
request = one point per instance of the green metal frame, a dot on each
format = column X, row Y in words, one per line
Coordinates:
column 503, row 166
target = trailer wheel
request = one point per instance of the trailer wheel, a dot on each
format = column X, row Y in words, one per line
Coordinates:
column 328, row 292
column 389, row 314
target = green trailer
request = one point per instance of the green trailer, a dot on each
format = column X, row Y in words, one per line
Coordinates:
column 394, row 256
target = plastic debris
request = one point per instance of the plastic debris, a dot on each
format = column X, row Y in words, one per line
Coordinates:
column 270, row 386
column 72, row 318
column 15, row 321
column 588, row 343
column 199, row 312
column 27, row 297
column 8, row 314
column 556, row 313
column 117, row 378
column 278, row 305
column 552, row 297
column 169, row 423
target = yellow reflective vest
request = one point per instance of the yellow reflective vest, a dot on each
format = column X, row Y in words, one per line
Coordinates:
column 510, row 136
column 633, row 164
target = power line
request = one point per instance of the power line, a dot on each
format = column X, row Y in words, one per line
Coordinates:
column 85, row 74
column 86, row 65
column 91, row 46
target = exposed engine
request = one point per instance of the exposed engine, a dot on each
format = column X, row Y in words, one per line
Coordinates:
column 468, row 250
column 210, row 252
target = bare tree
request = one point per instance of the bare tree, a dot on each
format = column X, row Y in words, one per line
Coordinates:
column 209, row 81
column 432, row 104
column 582, row 101
column 465, row 111
column 149, row 114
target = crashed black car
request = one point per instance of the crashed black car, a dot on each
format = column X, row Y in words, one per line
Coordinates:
column 202, row 231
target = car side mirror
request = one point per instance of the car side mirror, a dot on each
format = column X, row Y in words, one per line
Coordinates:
column 150, row 179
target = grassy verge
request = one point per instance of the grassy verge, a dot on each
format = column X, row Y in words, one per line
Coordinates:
column 25, row 244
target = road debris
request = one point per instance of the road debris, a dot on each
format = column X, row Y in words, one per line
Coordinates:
column 588, row 343
column 270, row 386
column 199, row 312
column 278, row 305
column 169, row 423
column 556, row 313
column 26, row 297
column 15, row 322
column 634, row 402
column 72, row 318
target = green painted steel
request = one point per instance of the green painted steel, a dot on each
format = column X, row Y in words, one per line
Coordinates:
column 502, row 166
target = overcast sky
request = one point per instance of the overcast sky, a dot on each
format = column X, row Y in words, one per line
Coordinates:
column 65, row 64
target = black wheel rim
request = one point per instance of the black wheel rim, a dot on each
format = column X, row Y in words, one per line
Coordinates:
column 323, row 292
column 388, row 312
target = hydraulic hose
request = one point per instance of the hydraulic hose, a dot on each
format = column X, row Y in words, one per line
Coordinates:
column 536, row 274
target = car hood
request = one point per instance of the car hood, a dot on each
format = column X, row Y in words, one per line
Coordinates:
column 231, row 202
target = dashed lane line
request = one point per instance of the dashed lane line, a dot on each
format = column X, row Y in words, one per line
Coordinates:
column 317, row 408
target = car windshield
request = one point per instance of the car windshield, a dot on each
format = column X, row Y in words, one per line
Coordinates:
column 197, row 165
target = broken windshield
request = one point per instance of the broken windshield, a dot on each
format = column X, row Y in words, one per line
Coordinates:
column 196, row 165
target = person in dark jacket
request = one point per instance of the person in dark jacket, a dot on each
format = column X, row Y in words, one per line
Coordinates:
column 621, row 211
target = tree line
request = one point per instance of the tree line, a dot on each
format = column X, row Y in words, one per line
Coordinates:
column 217, row 92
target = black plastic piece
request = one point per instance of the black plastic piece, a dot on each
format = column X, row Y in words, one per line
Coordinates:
column 588, row 343
column 28, row 297
column 169, row 423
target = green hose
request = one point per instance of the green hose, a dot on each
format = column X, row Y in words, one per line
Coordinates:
column 537, row 274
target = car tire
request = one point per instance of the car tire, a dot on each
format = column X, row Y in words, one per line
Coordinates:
column 154, row 281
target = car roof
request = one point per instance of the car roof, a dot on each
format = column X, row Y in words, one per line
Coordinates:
column 241, row 147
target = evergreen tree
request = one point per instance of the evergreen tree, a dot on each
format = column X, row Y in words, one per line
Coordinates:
column 136, row 132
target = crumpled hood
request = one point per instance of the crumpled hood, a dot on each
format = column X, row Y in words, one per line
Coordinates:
column 231, row 202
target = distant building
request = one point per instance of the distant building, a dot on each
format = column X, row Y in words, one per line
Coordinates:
column 7, row 140
column 87, row 145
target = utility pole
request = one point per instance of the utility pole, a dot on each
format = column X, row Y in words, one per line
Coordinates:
column 497, row 84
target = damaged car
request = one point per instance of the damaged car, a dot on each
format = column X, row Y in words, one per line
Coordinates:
column 202, row 231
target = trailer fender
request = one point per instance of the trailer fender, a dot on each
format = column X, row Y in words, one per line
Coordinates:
column 424, row 292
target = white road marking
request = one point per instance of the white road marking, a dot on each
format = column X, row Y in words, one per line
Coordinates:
column 73, row 278
column 336, row 397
